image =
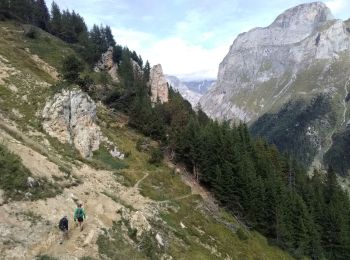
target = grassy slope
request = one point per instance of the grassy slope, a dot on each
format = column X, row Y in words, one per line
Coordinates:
column 203, row 238
column 201, row 228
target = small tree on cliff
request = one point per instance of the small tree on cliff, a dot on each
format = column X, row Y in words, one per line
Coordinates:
column 71, row 69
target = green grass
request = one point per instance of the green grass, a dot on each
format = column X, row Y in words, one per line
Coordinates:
column 49, row 48
column 13, row 179
column 104, row 159
column 201, row 229
column 87, row 258
column 118, row 200
column 163, row 184
column 113, row 245
column 122, row 177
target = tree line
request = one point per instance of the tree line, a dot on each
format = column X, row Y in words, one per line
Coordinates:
column 271, row 193
column 66, row 25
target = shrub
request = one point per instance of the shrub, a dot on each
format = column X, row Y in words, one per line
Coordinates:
column 156, row 156
column 31, row 32
column 143, row 144
column 71, row 69
column 14, row 176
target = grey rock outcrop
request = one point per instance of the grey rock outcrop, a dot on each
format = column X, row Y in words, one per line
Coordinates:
column 265, row 66
column 70, row 116
column 159, row 85
column 136, row 68
column 106, row 63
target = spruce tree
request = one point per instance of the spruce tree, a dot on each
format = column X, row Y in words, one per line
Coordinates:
column 41, row 15
column 56, row 20
column 109, row 36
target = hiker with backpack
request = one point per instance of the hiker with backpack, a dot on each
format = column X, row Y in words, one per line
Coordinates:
column 63, row 226
column 79, row 215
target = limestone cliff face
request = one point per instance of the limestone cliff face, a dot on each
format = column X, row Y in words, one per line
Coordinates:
column 158, row 85
column 70, row 116
column 106, row 63
column 302, row 56
column 265, row 66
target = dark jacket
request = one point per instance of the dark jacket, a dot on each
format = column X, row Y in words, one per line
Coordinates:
column 63, row 225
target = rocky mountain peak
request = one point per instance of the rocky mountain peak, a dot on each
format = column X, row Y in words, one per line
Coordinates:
column 290, row 27
column 305, row 15
column 263, row 64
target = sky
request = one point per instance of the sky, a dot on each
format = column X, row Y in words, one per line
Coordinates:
column 189, row 38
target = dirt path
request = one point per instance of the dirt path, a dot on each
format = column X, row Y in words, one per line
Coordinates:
column 29, row 228
column 137, row 184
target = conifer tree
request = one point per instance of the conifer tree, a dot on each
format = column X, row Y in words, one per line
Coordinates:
column 56, row 20
column 109, row 36
column 41, row 15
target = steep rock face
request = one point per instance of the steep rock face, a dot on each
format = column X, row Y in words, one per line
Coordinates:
column 304, row 55
column 200, row 86
column 186, row 93
column 106, row 63
column 264, row 64
column 192, row 91
column 70, row 116
column 158, row 84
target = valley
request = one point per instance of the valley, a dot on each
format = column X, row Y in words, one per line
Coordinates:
column 253, row 165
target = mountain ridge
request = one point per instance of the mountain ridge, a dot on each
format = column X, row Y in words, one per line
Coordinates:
column 288, row 60
column 190, row 90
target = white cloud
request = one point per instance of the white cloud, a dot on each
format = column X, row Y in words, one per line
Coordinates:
column 177, row 56
column 339, row 7
column 186, row 60
column 135, row 40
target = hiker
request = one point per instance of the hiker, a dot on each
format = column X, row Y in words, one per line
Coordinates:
column 63, row 226
column 79, row 214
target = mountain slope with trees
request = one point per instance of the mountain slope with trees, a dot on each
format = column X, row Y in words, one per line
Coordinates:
column 303, row 55
column 260, row 189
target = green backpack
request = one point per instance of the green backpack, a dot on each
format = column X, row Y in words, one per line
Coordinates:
column 80, row 213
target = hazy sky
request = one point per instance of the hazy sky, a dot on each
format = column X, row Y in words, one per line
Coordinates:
column 188, row 37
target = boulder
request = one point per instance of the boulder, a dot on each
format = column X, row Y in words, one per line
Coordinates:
column 70, row 116
column 31, row 182
column 116, row 153
column 139, row 222
column 159, row 240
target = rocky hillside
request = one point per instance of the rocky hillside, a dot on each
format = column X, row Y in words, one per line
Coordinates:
column 66, row 148
column 273, row 77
